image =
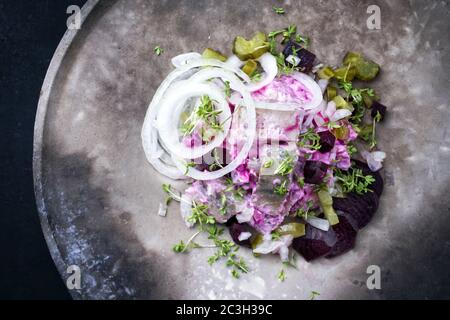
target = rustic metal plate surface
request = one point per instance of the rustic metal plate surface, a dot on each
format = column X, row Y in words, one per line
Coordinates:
column 98, row 197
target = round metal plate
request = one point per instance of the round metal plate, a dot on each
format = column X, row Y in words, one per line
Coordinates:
column 98, row 197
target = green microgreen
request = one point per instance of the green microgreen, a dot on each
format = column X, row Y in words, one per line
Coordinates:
column 309, row 140
column 354, row 181
column 158, row 50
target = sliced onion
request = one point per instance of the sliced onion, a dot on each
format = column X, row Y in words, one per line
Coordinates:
column 318, row 223
column 247, row 102
column 234, row 62
column 162, row 212
column 216, row 63
column 250, row 136
column 323, row 84
column 171, row 109
column 244, row 236
column 294, row 60
column 313, row 87
column 374, row 159
column 269, row 65
column 185, row 58
column 149, row 135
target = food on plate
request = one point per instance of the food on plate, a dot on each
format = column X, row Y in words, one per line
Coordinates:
column 273, row 145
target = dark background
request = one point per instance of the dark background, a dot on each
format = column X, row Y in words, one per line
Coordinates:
column 29, row 34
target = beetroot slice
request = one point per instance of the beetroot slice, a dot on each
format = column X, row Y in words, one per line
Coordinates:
column 346, row 237
column 315, row 244
column 236, row 229
column 360, row 208
column 307, row 58
column 327, row 141
column 314, row 172
column 378, row 108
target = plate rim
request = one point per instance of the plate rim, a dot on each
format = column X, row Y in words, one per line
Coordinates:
column 38, row 136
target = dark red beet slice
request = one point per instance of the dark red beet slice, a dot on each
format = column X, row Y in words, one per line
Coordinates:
column 346, row 237
column 315, row 244
column 371, row 201
column 376, row 186
column 378, row 108
column 314, row 172
column 327, row 141
column 289, row 48
column 307, row 58
column 360, row 208
column 236, row 229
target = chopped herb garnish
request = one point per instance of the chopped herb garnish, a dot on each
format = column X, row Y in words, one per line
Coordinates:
column 282, row 66
column 235, row 273
column 158, row 50
column 182, row 247
column 179, row 247
column 238, row 263
column 274, row 34
column 223, row 204
column 239, row 193
column 200, row 214
column 188, row 166
column 354, row 181
column 226, row 248
column 172, row 194
column 281, row 189
column 288, row 33
column 286, row 166
column 357, row 100
column 302, row 213
column 256, row 76
column 167, row 189
column 304, row 41
column 309, row 140
column 314, row 295
column 282, row 275
column 276, row 235
column 351, row 149
column 278, row 10
column 205, row 113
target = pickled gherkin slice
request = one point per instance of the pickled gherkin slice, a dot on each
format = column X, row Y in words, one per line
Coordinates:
column 294, row 229
column 346, row 73
column 251, row 49
column 331, row 93
column 366, row 69
column 213, row 54
column 341, row 103
column 326, row 202
column 352, row 57
column 341, row 133
column 326, row 73
column 250, row 67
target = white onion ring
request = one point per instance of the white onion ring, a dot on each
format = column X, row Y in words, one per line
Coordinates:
column 149, row 133
column 269, row 64
column 321, row 224
column 251, row 126
column 234, row 62
column 312, row 86
column 185, row 58
column 168, row 118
